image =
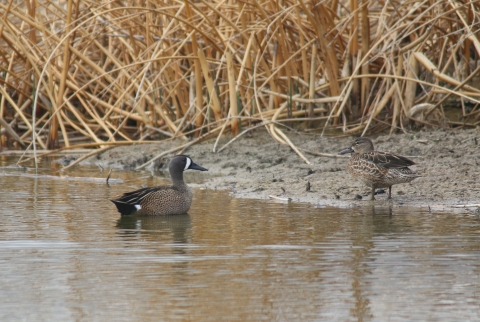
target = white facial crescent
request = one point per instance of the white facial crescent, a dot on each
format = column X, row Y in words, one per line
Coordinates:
column 189, row 161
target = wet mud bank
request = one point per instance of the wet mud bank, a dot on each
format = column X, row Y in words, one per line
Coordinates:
column 256, row 166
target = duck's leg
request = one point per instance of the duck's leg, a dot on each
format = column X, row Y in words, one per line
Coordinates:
column 390, row 192
column 373, row 193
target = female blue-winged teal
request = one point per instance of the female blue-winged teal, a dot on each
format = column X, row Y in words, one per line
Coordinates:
column 378, row 169
column 162, row 200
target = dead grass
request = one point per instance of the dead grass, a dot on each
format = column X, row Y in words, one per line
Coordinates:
column 77, row 72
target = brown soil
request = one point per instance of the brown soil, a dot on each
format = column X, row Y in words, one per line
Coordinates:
column 256, row 166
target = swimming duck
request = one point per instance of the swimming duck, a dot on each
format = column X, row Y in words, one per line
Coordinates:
column 162, row 200
column 378, row 169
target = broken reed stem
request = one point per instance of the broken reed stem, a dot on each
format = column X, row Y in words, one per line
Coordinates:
column 328, row 155
column 239, row 135
column 281, row 137
column 294, row 148
column 86, row 156
column 221, row 132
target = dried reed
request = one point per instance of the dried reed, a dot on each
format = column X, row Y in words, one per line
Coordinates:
column 80, row 72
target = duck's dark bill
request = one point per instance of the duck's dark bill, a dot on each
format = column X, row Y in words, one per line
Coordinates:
column 345, row 151
column 195, row 166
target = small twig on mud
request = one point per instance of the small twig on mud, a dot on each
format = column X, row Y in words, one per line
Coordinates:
column 466, row 206
column 422, row 141
column 278, row 198
column 325, row 154
column 108, row 177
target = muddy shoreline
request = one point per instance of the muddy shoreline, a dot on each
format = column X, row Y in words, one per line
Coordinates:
column 256, row 166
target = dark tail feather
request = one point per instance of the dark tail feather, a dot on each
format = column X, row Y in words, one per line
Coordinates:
column 124, row 208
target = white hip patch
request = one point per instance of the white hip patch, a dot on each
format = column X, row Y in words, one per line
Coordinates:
column 138, row 207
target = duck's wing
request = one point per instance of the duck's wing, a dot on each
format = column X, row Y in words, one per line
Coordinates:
column 387, row 160
column 130, row 202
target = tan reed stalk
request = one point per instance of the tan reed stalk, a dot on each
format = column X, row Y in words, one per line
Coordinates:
column 38, row 122
column 292, row 56
column 281, row 137
column 311, row 89
column 365, row 32
column 233, row 93
column 80, row 118
column 411, row 87
column 296, row 98
column 245, row 79
column 260, row 60
column 63, row 129
column 14, row 105
column 53, row 135
column 373, row 115
column 294, row 148
column 354, row 58
column 214, row 100
column 285, row 51
column 304, row 51
column 321, row 16
column 469, row 33
column 93, row 113
column 10, row 131
column 396, row 102
column 2, row 100
column 199, row 117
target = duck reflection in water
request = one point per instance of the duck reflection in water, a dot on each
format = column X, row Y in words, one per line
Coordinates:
column 170, row 229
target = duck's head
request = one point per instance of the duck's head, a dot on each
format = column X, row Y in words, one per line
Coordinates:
column 360, row 145
column 181, row 162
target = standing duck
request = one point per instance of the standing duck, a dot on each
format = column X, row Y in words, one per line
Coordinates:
column 378, row 169
column 162, row 200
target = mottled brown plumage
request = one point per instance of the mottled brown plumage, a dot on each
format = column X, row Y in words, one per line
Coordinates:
column 378, row 169
column 163, row 200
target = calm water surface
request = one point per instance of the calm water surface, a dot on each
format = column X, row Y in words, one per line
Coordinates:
column 67, row 255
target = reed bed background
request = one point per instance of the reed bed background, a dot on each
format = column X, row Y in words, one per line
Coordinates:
column 96, row 74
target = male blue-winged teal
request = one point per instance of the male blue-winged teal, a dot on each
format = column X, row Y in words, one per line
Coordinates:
column 378, row 169
column 163, row 200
